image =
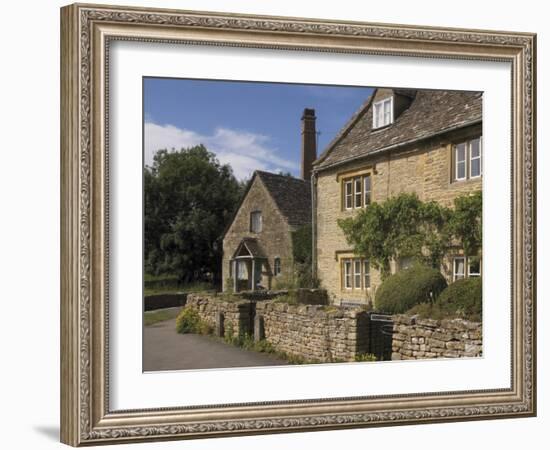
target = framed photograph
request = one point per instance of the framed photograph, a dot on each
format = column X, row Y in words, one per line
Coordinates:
column 278, row 224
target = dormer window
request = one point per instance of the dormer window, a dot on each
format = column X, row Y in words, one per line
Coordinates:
column 382, row 113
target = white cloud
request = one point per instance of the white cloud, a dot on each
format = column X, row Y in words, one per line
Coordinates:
column 244, row 151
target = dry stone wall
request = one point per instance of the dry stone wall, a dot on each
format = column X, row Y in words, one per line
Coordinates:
column 415, row 338
column 314, row 332
column 221, row 315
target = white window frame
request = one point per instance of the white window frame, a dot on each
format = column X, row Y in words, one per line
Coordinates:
column 348, row 196
column 455, row 273
column 357, row 194
column 375, row 112
column 477, row 157
column 347, row 269
column 256, row 226
column 466, row 152
column 468, row 159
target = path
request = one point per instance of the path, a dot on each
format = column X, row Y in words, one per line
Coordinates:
column 164, row 349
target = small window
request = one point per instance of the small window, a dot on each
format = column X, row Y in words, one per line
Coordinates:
column 347, row 274
column 366, row 273
column 382, row 114
column 256, row 221
column 474, row 267
column 467, row 160
column 356, row 192
column 355, row 273
column 349, row 194
column 459, row 265
column 277, row 266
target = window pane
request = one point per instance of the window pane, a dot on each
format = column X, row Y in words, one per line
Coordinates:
column 256, row 221
column 347, row 274
column 475, row 148
column 366, row 271
column 387, row 112
column 349, row 195
column 367, row 190
column 277, row 266
column 475, row 167
column 474, row 267
column 460, row 152
column 358, row 194
column 458, row 268
column 357, row 274
column 461, row 170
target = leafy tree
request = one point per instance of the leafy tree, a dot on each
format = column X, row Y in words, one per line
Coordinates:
column 189, row 198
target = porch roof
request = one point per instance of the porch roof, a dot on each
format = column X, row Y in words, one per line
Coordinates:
column 250, row 246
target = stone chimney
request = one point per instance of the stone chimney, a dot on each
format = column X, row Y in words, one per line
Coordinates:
column 309, row 142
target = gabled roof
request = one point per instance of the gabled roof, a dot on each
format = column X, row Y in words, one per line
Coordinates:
column 291, row 195
column 251, row 246
column 430, row 113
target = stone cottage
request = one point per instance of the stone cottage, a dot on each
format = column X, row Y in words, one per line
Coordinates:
column 427, row 142
column 257, row 245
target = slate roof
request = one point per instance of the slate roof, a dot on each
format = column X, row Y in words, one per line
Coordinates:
column 291, row 195
column 430, row 113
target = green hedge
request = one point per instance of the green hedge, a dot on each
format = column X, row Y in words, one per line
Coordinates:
column 400, row 292
column 463, row 299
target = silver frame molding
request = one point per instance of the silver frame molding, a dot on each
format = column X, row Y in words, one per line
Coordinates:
column 86, row 31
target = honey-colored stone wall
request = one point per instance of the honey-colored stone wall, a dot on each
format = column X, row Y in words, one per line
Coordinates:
column 424, row 169
column 275, row 238
column 415, row 338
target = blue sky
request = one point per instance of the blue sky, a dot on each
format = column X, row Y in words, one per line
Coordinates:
column 248, row 125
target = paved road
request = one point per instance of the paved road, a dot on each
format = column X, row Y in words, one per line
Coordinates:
column 164, row 349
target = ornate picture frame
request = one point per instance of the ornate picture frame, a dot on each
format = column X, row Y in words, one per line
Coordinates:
column 86, row 34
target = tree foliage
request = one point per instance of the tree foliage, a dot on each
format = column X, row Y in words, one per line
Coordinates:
column 465, row 224
column 405, row 227
column 302, row 253
column 189, row 197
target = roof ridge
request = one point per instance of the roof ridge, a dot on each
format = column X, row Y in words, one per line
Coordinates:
column 348, row 126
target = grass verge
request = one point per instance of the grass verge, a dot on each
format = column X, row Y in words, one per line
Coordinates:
column 159, row 315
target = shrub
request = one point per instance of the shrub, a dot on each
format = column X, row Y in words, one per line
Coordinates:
column 188, row 321
column 407, row 288
column 428, row 311
column 463, row 299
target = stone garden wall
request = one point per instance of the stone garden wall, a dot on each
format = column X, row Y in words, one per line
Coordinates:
column 313, row 332
column 415, row 338
column 236, row 315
